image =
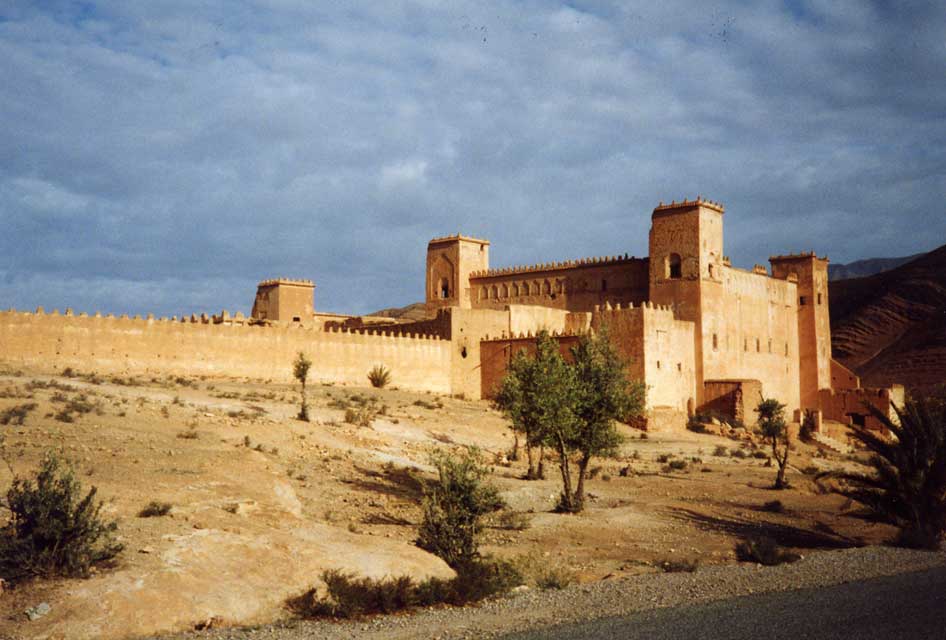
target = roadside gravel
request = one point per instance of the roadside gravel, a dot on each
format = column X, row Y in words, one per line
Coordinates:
column 620, row 596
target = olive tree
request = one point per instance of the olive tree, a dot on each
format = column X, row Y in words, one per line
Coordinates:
column 775, row 431
column 300, row 371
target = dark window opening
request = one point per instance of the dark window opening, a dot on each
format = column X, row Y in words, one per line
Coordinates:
column 463, row 352
column 819, row 298
column 802, row 301
column 604, row 285
column 444, row 288
column 679, row 367
column 674, row 266
column 757, row 346
column 296, row 319
column 715, row 342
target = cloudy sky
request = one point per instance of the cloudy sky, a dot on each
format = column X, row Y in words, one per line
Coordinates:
column 165, row 156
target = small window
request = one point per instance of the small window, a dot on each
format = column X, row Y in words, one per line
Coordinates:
column 604, row 285
column 802, row 301
column 679, row 366
column 444, row 288
column 786, row 348
column 674, row 266
column 658, row 364
column 819, row 298
column 745, row 344
column 757, row 346
column 715, row 342
column 296, row 319
column 770, row 346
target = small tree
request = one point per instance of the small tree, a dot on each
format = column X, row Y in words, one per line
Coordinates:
column 603, row 394
column 300, row 370
column 53, row 529
column 907, row 486
column 536, row 395
column 775, row 431
column 453, row 508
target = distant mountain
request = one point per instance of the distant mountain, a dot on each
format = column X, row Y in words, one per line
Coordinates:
column 868, row 267
column 891, row 326
column 410, row 313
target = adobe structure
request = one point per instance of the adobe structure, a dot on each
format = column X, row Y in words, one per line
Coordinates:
column 700, row 333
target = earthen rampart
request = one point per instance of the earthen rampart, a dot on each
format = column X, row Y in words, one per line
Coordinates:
column 198, row 346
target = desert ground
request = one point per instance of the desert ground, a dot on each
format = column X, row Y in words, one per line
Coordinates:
column 262, row 503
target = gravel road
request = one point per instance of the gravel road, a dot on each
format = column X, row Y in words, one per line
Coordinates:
column 533, row 609
column 908, row 606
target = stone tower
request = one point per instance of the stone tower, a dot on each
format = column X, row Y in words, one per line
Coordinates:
column 686, row 256
column 814, row 325
column 450, row 261
column 284, row 300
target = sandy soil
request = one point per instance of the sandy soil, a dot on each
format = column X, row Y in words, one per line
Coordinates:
column 262, row 502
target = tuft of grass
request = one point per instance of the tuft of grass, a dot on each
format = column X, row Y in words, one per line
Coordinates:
column 553, row 577
column 349, row 596
column 773, row 506
column 155, row 509
column 379, row 376
column 720, row 451
column 679, row 566
column 514, row 521
column 763, row 550
column 16, row 414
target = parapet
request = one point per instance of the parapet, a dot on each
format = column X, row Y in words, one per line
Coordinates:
column 805, row 255
column 688, row 204
column 456, row 237
column 289, row 281
column 556, row 266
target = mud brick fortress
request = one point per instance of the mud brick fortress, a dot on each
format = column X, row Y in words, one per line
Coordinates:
column 700, row 333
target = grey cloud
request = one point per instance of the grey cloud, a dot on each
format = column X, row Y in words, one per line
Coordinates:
column 166, row 157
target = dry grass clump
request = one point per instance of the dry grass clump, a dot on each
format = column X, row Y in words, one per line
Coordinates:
column 763, row 550
column 16, row 414
column 155, row 509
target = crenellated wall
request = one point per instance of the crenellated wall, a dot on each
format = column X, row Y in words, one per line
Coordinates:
column 573, row 285
column 230, row 348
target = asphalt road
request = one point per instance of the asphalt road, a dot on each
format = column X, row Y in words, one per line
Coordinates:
column 910, row 605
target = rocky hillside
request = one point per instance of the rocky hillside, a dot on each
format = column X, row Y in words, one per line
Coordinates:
column 410, row 313
column 891, row 327
column 868, row 267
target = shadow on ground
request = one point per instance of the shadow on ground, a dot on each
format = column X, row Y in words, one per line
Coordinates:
column 821, row 536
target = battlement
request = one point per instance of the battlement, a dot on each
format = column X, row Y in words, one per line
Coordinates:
column 688, row 204
column 805, row 255
column 286, row 281
column 529, row 335
column 556, row 266
column 609, row 308
column 456, row 237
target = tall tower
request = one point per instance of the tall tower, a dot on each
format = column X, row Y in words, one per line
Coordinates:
column 450, row 261
column 814, row 325
column 686, row 256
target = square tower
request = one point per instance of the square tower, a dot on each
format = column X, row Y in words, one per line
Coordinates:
column 814, row 324
column 686, row 257
column 450, row 261
column 284, row 300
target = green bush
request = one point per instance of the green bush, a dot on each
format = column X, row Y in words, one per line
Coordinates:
column 763, row 550
column 453, row 507
column 379, row 376
column 53, row 529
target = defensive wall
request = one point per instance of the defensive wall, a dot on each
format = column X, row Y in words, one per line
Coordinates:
column 199, row 346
